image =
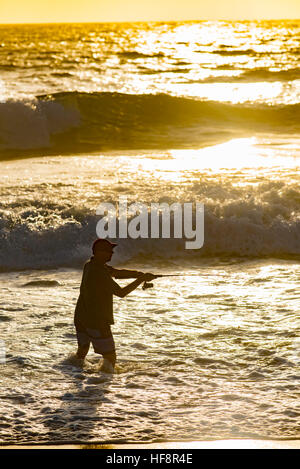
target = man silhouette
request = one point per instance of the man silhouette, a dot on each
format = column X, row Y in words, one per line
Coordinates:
column 94, row 308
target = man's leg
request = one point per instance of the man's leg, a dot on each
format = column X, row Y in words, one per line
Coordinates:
column 83, row 340
column 109, row 361
column 82, row 351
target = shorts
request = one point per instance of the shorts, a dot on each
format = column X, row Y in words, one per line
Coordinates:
column 101, row 338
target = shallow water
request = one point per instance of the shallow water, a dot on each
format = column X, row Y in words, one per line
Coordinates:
column 215, row 354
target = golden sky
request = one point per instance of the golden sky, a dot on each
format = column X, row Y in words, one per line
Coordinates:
column 48, row 11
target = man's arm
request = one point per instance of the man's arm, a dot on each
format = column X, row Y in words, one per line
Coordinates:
column 123, row 273
column 122, row 292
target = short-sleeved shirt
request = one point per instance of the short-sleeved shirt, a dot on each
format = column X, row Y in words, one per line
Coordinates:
column 94, row 306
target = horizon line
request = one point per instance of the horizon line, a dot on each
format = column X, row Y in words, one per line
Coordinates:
column 148, row 21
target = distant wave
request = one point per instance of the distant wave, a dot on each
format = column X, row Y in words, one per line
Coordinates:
column 243, row 230
column 234, row 52
column 139, row 55
column 253, row 76
column 227, row 50
column 77, row 122
column 268, row 75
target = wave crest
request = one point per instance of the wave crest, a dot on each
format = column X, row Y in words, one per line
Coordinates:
column 65, row 240
column 77, row 122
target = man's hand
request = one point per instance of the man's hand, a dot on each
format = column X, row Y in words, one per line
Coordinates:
column 148, row 277
column 122, row 292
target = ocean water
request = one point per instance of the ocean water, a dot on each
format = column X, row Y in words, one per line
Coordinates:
column 159, row 112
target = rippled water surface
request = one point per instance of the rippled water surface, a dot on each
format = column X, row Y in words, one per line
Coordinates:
column 185, row 58
column 214, row 354
column 77, row 87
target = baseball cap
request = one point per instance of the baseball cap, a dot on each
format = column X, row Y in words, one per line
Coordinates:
column 102, row 244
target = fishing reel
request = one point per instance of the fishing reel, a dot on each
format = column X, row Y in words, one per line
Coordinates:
column 147, row 285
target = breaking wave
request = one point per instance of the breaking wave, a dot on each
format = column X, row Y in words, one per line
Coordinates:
column 64, row 237
column 77, row 122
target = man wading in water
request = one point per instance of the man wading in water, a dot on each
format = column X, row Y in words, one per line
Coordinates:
column 94, row 308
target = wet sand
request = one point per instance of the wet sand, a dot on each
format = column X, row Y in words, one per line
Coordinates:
column 215, row 444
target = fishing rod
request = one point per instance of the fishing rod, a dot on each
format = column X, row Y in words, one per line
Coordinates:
column 150, row 284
